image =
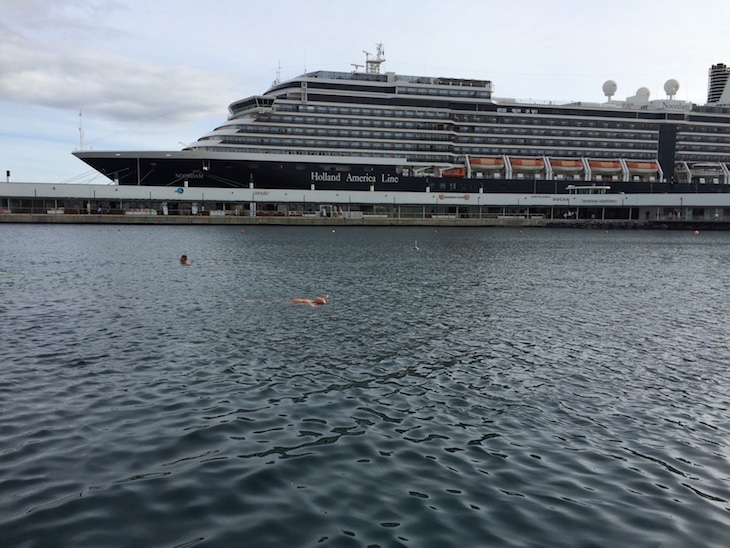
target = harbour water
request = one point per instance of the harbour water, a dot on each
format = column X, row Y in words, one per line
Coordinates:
column 496, row 387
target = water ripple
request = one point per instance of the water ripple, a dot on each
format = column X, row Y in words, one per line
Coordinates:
column 497, row 388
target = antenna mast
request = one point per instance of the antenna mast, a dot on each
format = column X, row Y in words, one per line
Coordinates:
column 81, row 133
column 277, row 80
column 372, row 66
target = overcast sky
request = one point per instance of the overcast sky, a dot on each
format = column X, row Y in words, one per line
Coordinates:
column 152, row 74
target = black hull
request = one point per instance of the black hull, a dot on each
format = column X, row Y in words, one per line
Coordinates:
column 180, row 171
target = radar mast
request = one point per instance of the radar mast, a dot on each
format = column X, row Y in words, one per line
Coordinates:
column 372, row 66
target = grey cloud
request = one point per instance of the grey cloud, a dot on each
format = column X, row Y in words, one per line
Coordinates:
column 105, row 84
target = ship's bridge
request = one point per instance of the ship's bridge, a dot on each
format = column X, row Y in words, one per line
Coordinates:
column 256, row 104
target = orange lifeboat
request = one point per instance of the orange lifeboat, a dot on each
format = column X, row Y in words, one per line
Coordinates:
column 486, row 163
column 602, row 168
column 454, row 172
column 525, row 164
column 643, row 168
column 566, row 166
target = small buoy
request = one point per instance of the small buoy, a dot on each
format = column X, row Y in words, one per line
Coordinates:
column 119, row 229
column 333, row 231
column 605, row 231
column 435, row 231
column 697, row 231
column 520, row 232
column 241, row 230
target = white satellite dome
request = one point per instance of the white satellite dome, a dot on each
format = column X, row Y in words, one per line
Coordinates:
column 671, row 87
column 643, row 92
column 609, row 88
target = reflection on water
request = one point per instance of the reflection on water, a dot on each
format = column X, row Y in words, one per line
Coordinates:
column 496, row 387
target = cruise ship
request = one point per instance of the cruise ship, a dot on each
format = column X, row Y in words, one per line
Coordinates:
column 369, row 130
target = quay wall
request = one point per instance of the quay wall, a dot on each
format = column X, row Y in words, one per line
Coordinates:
column 517, row 222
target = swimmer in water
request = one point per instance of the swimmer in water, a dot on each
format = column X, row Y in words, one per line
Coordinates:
column 184, row 260
column 314, row 303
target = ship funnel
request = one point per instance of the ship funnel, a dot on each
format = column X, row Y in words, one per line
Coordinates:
column 7, row 176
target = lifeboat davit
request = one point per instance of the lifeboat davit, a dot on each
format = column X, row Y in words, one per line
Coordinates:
column 454, row 172
column 484, row 163
column 602, row 168
column 643, row 168
column 524, row 164
column 566, row 166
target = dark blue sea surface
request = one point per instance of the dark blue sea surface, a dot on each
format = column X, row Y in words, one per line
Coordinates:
column 499, row 387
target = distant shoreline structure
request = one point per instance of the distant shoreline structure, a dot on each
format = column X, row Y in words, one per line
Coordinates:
column 67, row 203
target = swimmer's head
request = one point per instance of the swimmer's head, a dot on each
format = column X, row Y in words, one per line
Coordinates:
column 320, row 300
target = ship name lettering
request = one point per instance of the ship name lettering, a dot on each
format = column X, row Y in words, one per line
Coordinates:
column 189, row 175
column 385, row 178
column 360, row 178
column 676, row 106
column 326, row 177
